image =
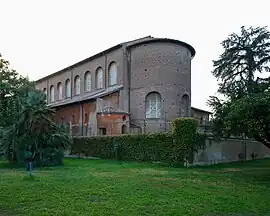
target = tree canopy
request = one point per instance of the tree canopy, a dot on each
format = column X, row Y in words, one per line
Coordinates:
column 242, row 71
column 28, row 130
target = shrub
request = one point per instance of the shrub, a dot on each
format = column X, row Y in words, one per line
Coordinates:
column 141, row 147
column 147, row 147
column 99, row 146
column 185, row 134
column 173, row 148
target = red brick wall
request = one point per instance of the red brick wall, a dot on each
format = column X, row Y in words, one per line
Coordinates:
column 88, row 108
column 113, row 123
column 68, row 113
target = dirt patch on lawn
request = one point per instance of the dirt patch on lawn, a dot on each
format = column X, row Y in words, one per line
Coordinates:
column 225, row 170
column 171, row 182
column 149, row 171
column 108, row 174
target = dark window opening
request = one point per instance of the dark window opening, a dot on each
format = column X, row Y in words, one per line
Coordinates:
column 185, row 101
column 201, row 120
column 73, row 119
column 85, row 118
column 102, row 131
column 124, row 129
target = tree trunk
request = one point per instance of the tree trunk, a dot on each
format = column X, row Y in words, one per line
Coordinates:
column 265, row 141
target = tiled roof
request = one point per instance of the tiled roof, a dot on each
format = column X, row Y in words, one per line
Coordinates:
column 194, row 108
column 88, row 96
column 147, row 39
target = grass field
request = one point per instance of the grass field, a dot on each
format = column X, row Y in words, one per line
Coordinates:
column 99, row 187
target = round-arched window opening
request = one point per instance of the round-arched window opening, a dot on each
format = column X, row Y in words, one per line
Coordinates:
column 99, row 78
column 77, row 85
column 185, row 104
column 87, row 81
column 124, row 129
column 153, row 105
column 112, row 74
column 52, row 94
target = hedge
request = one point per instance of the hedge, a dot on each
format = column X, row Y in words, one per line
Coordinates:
column 185, row 134
column 141, row 147
column 174, row 148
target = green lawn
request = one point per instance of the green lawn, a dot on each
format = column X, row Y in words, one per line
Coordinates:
column 99, row 187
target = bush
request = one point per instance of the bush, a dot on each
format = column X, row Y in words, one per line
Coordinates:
column 141, row 147
column 185, row 134
column 99, row 146
column 173, row 148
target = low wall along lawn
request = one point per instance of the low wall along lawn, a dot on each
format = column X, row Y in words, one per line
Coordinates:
column 229, row 150
column 183, row 145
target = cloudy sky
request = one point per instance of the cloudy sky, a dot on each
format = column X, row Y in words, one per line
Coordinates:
column 40, row 37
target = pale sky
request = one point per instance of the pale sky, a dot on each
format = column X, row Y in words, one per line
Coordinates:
column 42, row 37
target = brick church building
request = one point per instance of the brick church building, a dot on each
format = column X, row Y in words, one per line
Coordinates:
column 136, row 86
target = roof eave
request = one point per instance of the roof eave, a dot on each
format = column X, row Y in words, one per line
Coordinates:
column 151, row 40
column 201, row 110
column 118, row 46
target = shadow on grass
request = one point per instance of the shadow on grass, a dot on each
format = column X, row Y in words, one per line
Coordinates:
column 6, row 165
column 15, row 166
column 261, row 176
column 32, row 178
column 262, row 163
column 253, row 171
column 74, row 162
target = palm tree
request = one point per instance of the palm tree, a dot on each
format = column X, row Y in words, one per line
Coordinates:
column 35, row 136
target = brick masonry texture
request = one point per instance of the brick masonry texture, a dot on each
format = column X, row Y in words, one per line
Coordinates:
column 159, row 67
column 143, row 66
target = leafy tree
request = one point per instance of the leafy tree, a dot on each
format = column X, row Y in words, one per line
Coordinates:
column 244, row 56
column 28, row 131
column 246, row 108
column 13, row 89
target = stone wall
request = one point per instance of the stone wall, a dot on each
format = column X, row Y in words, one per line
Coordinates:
column 230, row 150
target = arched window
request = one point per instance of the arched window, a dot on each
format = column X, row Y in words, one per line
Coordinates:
column 77, row 85
column 185, row 103
column 45, row 92
column 153, row 105
column 124, row 129
column 99, row 78
column 67, row 88
column 52, row 94
column 59, row 91
column 201, row 120
column 112, row 74
column 87, row 81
